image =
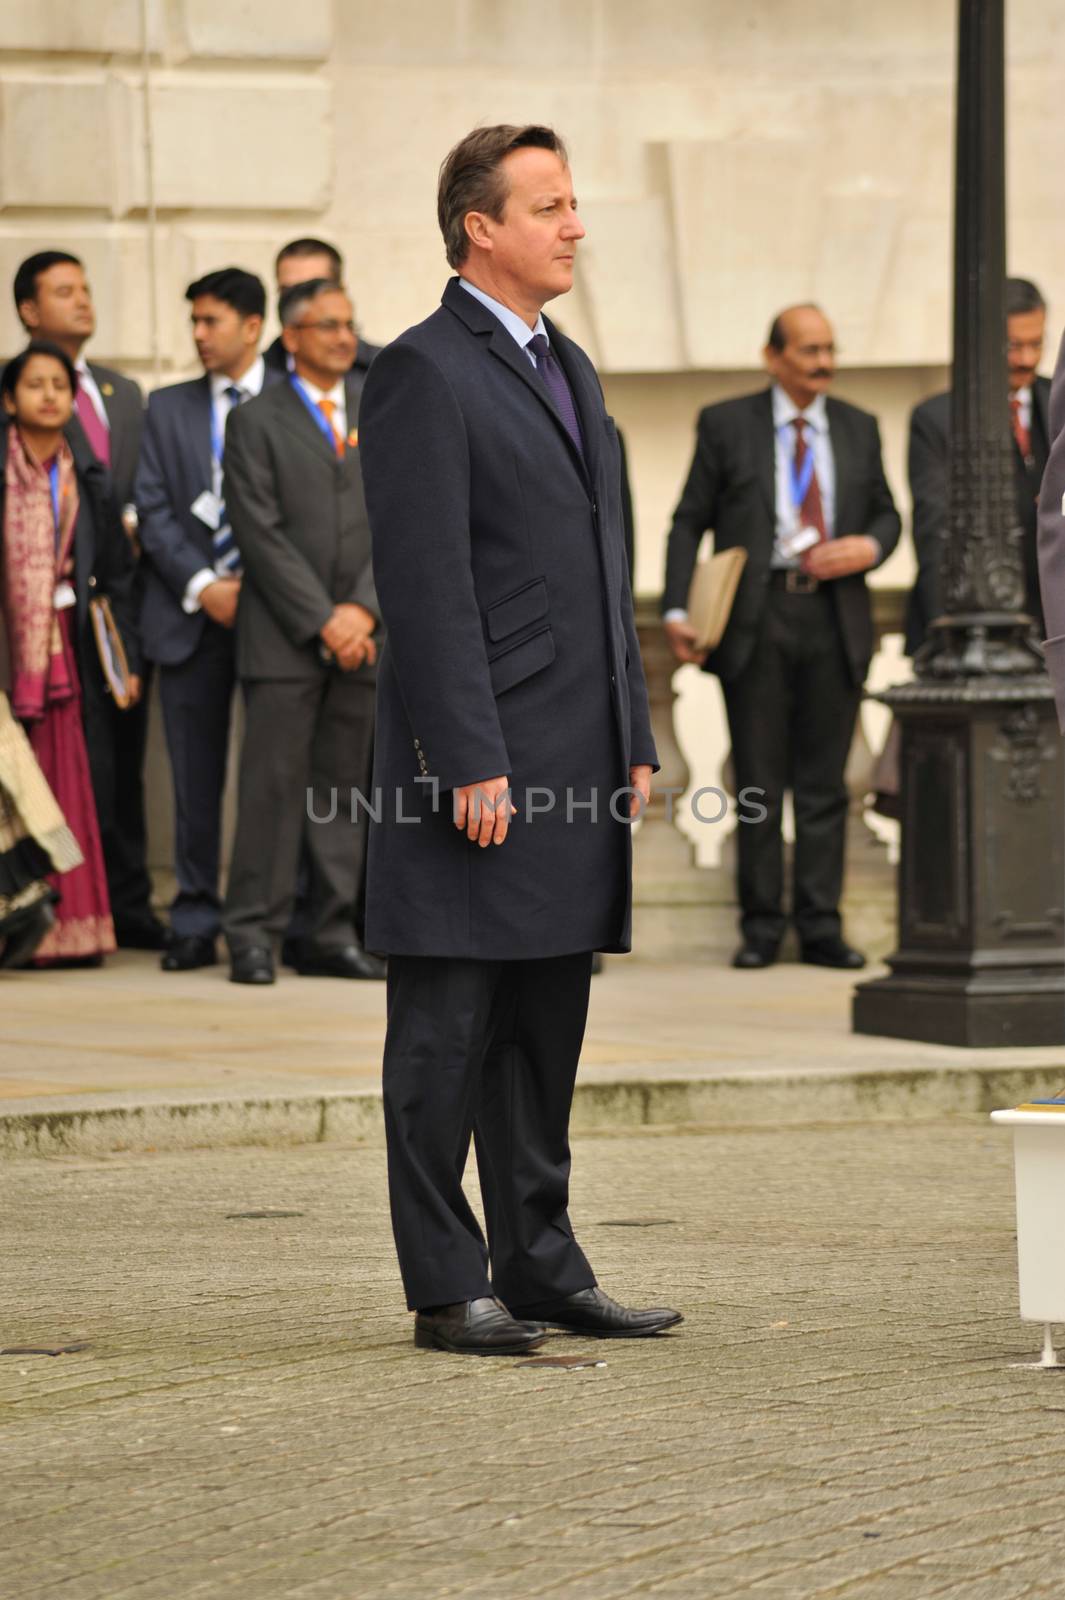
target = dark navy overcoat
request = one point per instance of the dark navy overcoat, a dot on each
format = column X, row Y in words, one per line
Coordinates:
column 500, row 566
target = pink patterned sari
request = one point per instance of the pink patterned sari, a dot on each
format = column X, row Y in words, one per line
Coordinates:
column 45, row 689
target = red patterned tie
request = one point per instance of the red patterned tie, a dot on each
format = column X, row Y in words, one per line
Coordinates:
column 1022, row 434
column 98, row 436
column 812, row 512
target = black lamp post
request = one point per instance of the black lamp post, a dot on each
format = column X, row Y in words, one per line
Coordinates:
column 980, row 926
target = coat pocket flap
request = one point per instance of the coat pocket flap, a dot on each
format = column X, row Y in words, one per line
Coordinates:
column 517, row 610
column 522, row 660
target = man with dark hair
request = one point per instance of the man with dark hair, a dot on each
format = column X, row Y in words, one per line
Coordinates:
column 306, row 649
column 54, row 301
column 193, row 583
column 929, row 461
column 512, row 667
column 303, row 261
column 796, row 480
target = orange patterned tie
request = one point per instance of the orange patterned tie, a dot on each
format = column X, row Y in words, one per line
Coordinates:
column 328, row 407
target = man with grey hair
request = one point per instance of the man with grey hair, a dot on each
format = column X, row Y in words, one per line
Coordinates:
column 307, row 641
column 512, row 671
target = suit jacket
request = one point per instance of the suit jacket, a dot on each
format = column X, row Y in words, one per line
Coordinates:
column 276, row 357
column 103, row 563
column 929, row 464
column 124, row 404
column 731, row 489
column 1052, row 540
column 299, row 518
column 175, row 467
column 500, row 561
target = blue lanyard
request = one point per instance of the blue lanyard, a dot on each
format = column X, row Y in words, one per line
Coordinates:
column 319, row 418
column 53, row 479
column 801, row 480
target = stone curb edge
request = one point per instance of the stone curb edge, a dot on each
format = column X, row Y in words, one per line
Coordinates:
column 724, row 1101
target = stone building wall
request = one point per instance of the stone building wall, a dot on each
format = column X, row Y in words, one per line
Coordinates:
column 729, row 159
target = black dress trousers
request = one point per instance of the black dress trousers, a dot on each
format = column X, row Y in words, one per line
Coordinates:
column 488, row 1048
column 791, row 716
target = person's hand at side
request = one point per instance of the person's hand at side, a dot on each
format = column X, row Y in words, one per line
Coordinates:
column 640, row 780
column 681, row 637
column 483, row 810
column 219, row 600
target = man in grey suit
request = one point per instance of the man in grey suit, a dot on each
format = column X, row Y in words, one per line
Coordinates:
column 192, row 584
column 306, row 647
column 1052, row 539
column 54, row 301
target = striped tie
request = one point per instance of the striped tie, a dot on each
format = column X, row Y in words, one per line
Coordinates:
column 227, row 562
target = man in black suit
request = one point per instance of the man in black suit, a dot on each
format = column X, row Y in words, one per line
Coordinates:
column 306, row 648
column 929, row 460
column 54, row 301
column 301, row 261
column 797, row 481
column 192, row 585
column 493, row 486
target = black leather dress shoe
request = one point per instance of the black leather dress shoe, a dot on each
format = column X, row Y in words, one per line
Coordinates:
column 254, row 965
column 341, row 961
column 25, row 932
column 753, row 953
column 592, row 1312
column 832, row 953
column 476, row 1328
column 141, row 933
column 188, row 953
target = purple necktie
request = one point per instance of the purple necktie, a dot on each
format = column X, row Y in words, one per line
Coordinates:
column 558, row 386
column 98, row 436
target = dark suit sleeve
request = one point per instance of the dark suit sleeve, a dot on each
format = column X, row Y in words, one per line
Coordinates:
column 884, row 523
column 928, row 470
column 364, row 591
column 287, row 582
column 175, row 556
column 696, row 512
column 416, row 472
column 1051, row 542
column 116, row 568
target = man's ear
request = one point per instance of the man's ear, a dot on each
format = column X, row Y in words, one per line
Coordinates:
column 253, row 326
column 478, row 230
column 290, row 339
column 29, row 315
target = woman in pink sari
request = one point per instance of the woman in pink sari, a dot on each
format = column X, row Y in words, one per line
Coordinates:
column 62, row 542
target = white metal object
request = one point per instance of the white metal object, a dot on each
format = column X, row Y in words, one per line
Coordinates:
column 1039, row 1171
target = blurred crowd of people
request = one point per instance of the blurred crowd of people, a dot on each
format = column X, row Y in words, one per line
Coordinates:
column 133, row 537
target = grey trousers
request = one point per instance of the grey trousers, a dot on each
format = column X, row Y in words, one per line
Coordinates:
column 307, row 744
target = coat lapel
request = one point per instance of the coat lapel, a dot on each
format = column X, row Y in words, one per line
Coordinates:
column 586, row 398
column 845, row 520
column 295, row 416
column 200, row 432
column 765, row 452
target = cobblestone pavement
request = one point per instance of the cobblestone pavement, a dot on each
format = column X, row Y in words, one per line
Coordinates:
column 837, row 1418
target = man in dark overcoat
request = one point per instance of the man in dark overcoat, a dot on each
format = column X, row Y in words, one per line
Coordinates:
column 493, row 488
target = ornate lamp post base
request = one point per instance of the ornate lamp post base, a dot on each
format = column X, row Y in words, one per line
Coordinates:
column 981, row 874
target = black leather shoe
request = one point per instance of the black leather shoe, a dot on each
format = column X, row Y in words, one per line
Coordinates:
column 753, row 953
column 476, row 1328
column 342, row 961
column 832, row 953
column 189, row 952
column 254, row 965
column 141, row 933
column 26, row 933
column 593, row 1312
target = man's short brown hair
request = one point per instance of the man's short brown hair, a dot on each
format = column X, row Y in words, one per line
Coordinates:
column 471, row 178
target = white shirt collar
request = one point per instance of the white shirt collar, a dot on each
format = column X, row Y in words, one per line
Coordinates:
column 336, row 393
column 785, row 410
column 515, row 326
column 1023, row 396
column 250, row 383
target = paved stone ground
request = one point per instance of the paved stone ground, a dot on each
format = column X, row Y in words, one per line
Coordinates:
column 838, row 1419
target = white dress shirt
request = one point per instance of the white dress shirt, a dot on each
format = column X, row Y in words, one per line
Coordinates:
column 250, row 383
column 87, row 382
column 1023, row 398
column 789, row 520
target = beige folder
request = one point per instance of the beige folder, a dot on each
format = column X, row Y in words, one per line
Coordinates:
column 713, row 589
